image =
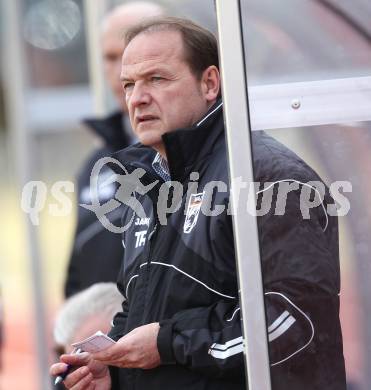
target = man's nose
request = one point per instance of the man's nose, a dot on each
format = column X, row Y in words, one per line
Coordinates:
column 139, row 95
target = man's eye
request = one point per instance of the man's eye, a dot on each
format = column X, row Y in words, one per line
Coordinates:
column 156, row 78
column 127, row 86
column 110, row 57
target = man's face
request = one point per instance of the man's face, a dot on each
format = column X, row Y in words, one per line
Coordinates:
column 161, row 92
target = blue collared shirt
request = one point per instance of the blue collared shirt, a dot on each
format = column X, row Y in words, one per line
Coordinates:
column 161, row 167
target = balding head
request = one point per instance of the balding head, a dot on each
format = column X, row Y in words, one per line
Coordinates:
column 126, row 15
column 113, row 27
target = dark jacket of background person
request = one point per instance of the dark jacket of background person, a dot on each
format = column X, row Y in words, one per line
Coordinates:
column 184, row 274
column 96, row 253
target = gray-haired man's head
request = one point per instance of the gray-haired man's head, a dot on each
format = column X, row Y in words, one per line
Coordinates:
column 85, row 313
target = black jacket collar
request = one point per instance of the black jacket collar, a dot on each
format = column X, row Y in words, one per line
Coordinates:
column 110, row 129
column 184, row 147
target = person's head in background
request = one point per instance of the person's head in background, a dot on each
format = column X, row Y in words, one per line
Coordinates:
column 85, row 313
column 114, row 24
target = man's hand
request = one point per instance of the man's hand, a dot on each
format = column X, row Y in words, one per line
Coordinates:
column 137, row 349
column 89, row 374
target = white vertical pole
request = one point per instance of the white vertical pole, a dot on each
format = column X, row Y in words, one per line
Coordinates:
column 14, row 82
column 238, row 132
column 93, row 11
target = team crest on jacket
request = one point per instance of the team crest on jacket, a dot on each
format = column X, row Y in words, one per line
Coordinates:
column 193, row 211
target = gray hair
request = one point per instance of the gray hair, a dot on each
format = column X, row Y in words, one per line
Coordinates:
column 98, row 299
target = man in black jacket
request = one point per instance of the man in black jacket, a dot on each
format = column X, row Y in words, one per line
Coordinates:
column 97, row 253
column 180, row 327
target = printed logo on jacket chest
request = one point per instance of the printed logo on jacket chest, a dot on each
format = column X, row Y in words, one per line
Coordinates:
column 193, row 210
column 140, row 236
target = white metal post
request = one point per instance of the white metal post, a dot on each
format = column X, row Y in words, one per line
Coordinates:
column 93, row 11
column 238, row 132
column 22, row 143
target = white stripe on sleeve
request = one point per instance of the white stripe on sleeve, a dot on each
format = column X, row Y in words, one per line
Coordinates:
column 284, row 327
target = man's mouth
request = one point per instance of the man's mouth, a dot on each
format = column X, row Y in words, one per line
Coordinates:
column 146, row 118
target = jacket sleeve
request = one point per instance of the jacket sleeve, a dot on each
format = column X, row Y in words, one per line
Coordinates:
column 75, row 270
column 209, row 339
column 300, row 272
column 205, row 339
column 72, row 283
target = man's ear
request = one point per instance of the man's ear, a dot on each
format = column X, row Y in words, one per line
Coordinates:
column 210, row 83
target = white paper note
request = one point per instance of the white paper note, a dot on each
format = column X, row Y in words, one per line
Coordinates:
column 95, row 343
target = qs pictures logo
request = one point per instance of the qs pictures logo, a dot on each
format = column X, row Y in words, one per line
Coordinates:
column 127, row 185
